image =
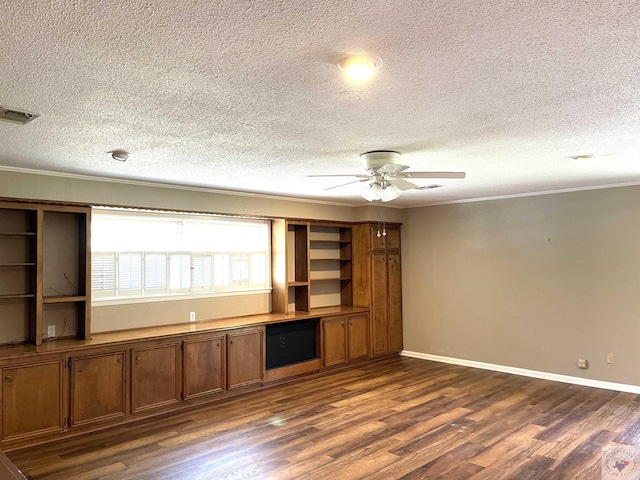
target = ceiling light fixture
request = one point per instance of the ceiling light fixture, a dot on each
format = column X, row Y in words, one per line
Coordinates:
column 119, row 155
column 381, row 190
column 360, row 67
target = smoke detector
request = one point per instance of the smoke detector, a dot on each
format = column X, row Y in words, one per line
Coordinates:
column 16, row 116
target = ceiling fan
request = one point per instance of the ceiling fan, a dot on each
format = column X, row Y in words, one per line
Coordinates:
column 386, row 178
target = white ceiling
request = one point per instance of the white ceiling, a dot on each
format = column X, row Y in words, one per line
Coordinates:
column 246, row 95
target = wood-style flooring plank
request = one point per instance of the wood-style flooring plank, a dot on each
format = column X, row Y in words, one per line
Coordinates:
column 398, row 418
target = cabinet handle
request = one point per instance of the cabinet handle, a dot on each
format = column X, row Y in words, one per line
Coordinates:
column 8, row 377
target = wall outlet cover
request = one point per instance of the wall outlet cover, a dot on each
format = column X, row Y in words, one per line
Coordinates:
column 51, row 331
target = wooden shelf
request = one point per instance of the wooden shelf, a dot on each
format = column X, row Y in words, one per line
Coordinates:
column 18, row 234
column 64, row 299
column 334, row 279
column 330, row 259
column 312, row 240
column 16, row 295
column 18, row 264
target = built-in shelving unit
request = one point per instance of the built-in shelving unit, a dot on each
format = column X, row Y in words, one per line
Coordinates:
column 65, row 266
column 44, row 260
column 18, row 274
column 311, row 265
column 330, row 263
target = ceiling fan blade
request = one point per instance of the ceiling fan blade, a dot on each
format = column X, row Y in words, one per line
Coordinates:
column 433, row 175
column 404, row 185
column 392, row 168
column 345, row 184
column 357, row 175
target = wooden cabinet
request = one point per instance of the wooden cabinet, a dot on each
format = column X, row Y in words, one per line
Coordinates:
column 33, row 399
column 204, row 366
column 155, row 376
column 245, row 357
column 345, row 338
column 334, row 341
column 358, row 336
column 98, row 387
column 377, row 279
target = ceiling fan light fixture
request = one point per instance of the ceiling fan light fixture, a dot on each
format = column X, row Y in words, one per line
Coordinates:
column 390, row 192
column 383, row 190
column 372, row 191
column 359, row 67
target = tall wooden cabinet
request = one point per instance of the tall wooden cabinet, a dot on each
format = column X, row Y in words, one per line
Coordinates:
column 377, row 283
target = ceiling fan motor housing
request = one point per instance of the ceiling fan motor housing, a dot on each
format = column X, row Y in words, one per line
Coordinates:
column 375, row 159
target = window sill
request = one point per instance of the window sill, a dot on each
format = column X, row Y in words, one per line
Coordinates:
column 173, row 298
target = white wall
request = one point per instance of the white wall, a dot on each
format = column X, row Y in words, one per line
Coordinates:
column 531, row 282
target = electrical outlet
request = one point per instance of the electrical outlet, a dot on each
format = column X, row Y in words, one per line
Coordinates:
column 51, row 331
column 192, row 316
column 609, row 357
column 583, row 364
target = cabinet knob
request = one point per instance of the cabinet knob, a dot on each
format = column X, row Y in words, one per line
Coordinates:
column 8, row 377
column 119, row 360
column 217, row 344
column 138, row 358
column 231, row 342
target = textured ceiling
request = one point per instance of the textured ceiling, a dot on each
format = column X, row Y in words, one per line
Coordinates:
column 246, row 95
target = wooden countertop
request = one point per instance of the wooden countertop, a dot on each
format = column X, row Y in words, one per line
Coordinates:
column 203, row 326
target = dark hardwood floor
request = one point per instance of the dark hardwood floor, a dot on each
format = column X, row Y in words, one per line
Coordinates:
column 396, row 418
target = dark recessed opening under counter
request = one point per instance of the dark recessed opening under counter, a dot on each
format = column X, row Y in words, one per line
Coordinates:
column 290, row 343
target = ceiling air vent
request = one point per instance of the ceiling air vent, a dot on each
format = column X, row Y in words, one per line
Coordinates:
column 16, row 116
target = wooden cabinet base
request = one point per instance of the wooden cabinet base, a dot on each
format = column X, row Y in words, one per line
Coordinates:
column 291, row 371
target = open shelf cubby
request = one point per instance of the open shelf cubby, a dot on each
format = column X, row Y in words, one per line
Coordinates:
column 18, row 274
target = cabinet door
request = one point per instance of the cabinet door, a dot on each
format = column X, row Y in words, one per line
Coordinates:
column 245, row 358
column 155, row 376
column 395, row 302
column 380, row 305
column 392, row 239
column 334, row 341
column 203, row 366
column 33, row 401
column 358, row 334
column 98, row 387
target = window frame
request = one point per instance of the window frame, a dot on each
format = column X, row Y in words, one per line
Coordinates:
column 205, row 287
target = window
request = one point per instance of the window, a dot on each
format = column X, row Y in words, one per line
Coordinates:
column 144, row 254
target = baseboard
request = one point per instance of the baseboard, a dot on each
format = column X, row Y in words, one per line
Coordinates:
column 586, row 382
